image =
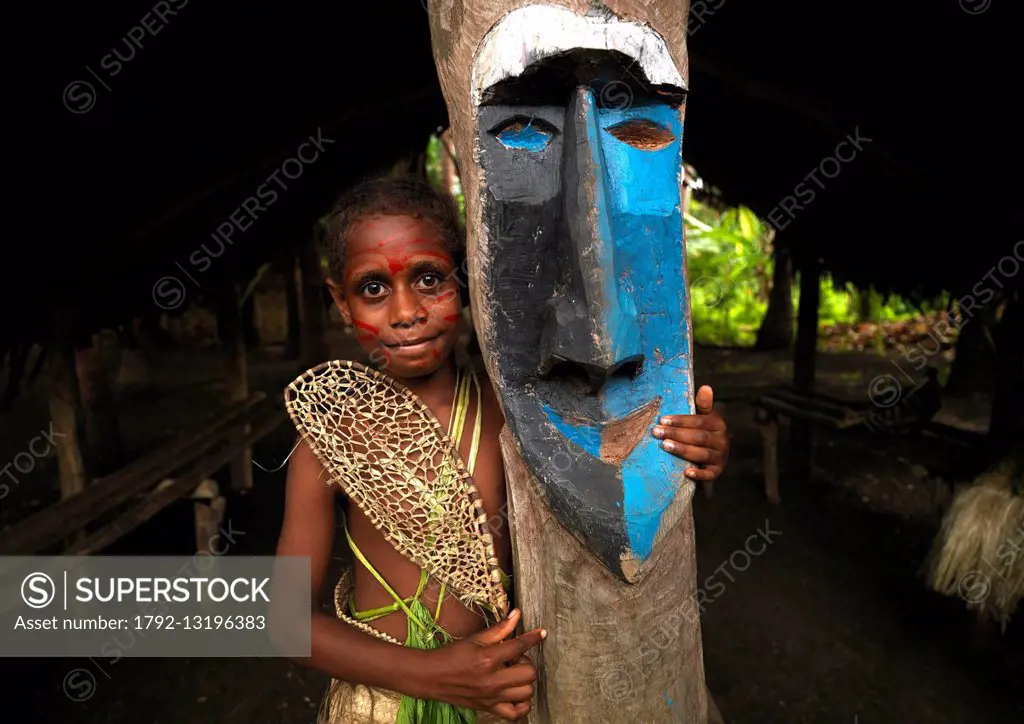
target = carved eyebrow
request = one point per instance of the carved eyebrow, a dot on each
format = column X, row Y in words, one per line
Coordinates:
column 643, row 134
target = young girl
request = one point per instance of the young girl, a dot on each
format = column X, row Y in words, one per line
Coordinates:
column 394, row 248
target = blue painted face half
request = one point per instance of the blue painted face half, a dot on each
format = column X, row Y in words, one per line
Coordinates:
column 584, row 267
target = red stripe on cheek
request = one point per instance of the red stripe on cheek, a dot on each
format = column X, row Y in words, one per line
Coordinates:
column 451, row 317
column 437, row 355
column 446, row 295
column 364, row 325
column 364, row 337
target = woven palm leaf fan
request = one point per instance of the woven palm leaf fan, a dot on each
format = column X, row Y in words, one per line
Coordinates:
column 392, row 457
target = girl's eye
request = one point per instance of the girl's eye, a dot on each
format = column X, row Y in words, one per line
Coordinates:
column 524, row 134
column 373, row 289
column 431, row 280
column 642, row 134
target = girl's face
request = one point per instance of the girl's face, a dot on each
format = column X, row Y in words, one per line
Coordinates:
column 400, row 292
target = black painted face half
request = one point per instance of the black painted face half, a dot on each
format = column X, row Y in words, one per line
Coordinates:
column 583, row 255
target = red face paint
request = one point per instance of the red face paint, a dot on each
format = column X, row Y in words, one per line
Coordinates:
column 364, row 325
column 451, row 317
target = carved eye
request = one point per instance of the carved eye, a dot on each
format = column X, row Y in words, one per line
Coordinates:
column 525, row 134
column 643, row 134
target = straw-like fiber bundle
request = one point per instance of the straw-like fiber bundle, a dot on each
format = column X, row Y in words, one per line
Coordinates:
column 978, row 553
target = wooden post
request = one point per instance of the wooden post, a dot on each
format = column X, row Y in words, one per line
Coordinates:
column 236, row 359
column 313, row 348
column 804, row 361
column 93, row 366
column 603, row 549
column 65, row 408
column 209, row 514
column 292, row 347
column 768, row 423
column 635, row 641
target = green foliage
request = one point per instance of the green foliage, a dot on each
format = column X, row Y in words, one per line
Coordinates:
column 727, row 268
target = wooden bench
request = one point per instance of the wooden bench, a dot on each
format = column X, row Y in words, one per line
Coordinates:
column 111, row 507
column 944, row 443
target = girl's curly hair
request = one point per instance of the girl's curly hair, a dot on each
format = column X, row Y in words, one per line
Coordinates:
column 390, row 196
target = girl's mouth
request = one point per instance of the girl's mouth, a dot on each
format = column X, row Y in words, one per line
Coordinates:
column 411, row 346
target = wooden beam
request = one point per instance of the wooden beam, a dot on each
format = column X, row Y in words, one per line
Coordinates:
column 45, row 528
column 158, row 500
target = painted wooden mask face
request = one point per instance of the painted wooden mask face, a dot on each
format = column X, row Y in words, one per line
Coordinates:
column 580, row 257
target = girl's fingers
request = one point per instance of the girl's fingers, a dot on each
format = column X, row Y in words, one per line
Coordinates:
column 705, row 400
column 709, row 473
column 693, row 453
column 712, row 421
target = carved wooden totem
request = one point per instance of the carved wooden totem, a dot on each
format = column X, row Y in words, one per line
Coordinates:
column 567, row 118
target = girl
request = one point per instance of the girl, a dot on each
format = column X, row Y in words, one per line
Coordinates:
column 394, row 248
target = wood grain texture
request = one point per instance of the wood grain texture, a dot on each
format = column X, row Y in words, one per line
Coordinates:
column 614, row 652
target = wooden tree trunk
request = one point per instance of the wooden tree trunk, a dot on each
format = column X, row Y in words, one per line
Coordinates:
column 864, row 311
column 637, row 652
column 65, row 409
column 974, row 366
column 313, row 348
column 250, row 334
column 804, row 361
column 16, row 370
column 229, row 320
column 102, row 436
column 292, row 345
column 776, row 331
column 1006, row 432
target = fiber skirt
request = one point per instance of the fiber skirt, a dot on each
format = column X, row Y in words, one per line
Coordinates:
column 348, row 703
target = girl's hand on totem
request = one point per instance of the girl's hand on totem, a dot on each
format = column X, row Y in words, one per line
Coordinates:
column 702, row 438
column 486, row 672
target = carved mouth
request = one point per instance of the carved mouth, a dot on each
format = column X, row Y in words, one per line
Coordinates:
column 620, row 437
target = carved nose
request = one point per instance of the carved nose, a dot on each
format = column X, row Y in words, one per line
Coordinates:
column 591, row 327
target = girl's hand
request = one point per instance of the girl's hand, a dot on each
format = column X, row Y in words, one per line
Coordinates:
column 487, row 673
column 702, row 438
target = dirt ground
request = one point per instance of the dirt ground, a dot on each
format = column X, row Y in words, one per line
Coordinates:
column 829, row 624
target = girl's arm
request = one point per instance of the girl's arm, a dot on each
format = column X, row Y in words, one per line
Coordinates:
column 336, row 647
column 483, row 671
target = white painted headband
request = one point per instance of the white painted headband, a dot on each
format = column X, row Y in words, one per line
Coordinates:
column 534, row 32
